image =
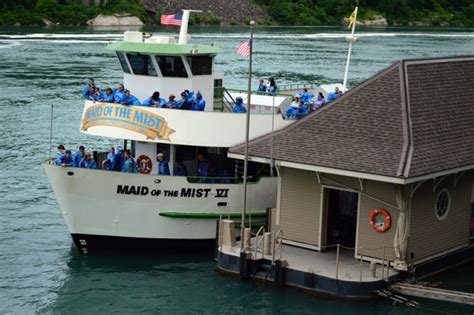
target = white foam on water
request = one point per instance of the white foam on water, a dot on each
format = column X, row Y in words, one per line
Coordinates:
column 81, row 38
column 10, row 45
column 54, row 36
column 58, row 41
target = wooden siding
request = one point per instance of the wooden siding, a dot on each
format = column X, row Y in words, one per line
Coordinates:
column 300, row 206
column 428, row 235
column 369, row 241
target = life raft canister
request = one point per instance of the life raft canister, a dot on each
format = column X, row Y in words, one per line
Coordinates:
column 380, row 226
column 144, row 164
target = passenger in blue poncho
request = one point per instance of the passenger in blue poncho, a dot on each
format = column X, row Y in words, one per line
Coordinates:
column 97, row 96
column 130, row 100
column 292, row 111
column 262, row 86
column 78, row 156
column 199, row 104
column 333, row 95
column 185, row 103
column 180, row 169
column 117, row 160
column 66, row 159
column 239, row 106
column 154, row 101
column 203, row 165
column 272, row 88
column 129, row 166
column 88, row 162
column 171, row 102
column 107, row 163
column 60, row 154
column 163, row 166
column 108, row 96
column 306, row 96
column 119, row 94
column 88, row 90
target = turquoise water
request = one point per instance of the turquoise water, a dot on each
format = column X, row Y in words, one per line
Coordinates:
column 40, row 272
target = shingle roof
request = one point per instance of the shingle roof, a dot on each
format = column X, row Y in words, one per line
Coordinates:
column 414, row 118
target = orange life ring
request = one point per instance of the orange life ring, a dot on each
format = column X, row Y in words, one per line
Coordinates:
column 144, row 164
column 380, row 227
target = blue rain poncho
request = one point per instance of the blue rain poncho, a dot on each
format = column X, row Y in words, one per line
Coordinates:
column 163, row 168
column 332, row 96
column 108, row 98
column 239, row 108
column 64, row 160
column 131, row 101
column 119, row 96
column 130, row 166
column 117, row 161
column 60, row 156
column 77, row 158
column 88, row 164
column 262, row 87
column 180, row 171
column 203, row 168
column 200, row 103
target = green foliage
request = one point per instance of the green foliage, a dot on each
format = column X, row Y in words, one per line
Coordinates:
column 331, row 12
column 207, row 19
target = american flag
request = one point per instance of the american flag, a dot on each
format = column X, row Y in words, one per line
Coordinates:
column 244, row 48
column 171, row 19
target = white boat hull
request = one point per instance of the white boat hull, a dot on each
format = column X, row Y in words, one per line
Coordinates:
column 105, row 205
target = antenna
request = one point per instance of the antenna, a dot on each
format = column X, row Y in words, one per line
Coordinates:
column 183, row 31
column 51, row 136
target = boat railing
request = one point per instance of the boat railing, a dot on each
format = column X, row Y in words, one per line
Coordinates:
column 260, row 233
column 296, row 86
column 277, row 245
column 213, row 180
column 296, row 116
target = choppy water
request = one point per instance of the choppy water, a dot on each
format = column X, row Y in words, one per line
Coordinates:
column 39, row 272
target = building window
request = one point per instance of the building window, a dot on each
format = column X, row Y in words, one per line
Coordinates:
column 123, row 62
column 141, row 64
column 443, row 202
column 200, row 65
column 172, row 66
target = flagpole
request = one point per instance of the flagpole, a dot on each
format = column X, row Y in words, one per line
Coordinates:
column 351, row 41
column 247, row 131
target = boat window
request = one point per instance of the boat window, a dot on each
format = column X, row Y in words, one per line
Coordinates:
column 200, row 65
column 141, row 64
column 123, row 62
column 172, row 66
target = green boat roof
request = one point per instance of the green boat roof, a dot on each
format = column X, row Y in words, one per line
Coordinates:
column 164, row 49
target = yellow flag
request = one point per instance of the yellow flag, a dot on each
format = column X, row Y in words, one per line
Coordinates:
column 351, row 19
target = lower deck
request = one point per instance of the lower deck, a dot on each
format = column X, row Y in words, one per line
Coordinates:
column 328, row 273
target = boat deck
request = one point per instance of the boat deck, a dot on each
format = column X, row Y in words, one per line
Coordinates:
column 322, row 263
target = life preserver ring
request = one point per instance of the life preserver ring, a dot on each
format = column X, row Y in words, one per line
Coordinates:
column 144, row 164
column 380, row 227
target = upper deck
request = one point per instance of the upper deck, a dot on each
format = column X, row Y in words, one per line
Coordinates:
column 173, row 126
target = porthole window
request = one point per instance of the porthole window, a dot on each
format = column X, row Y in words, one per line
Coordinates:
column 443, row 202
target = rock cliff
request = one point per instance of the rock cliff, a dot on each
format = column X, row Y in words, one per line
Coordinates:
column 228, row 11
column 115, row 20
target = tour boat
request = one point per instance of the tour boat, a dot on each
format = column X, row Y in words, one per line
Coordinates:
column 114, row 210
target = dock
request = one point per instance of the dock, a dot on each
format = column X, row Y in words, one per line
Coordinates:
column 434, row 293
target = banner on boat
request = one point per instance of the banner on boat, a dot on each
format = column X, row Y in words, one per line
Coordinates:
column 131, row 118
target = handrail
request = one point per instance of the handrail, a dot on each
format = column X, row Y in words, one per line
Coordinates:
column 226, row 104
column 257, row 241
column 277, row 244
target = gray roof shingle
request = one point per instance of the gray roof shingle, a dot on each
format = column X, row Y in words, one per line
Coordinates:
column 414, row 118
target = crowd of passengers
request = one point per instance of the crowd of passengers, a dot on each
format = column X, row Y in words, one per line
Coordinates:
column 120, row 160
column 303, row 102
column 188, row 101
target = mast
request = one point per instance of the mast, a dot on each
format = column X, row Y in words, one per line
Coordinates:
column 247, row 131
column 352, row 39
column 183, row 31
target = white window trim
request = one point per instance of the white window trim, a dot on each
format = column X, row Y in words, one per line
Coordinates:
column 442, row 218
